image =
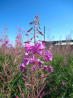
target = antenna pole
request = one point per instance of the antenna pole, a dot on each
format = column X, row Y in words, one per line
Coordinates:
column 44, row 33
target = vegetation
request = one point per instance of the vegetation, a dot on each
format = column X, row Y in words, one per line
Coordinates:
column 59, row 83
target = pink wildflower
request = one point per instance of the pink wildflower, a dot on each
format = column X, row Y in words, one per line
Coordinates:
column 47, row 56
column 10, row 45
column 64, row 83
column 27, row 47
column 19, row 37
column 23, row 68
column 33, row 60
column 27, row 54
column 50, row 69
column 45, row 67
column 37, row 48
column 40, row 63
column 26, row 61
column 5, row 43
column 33, row 68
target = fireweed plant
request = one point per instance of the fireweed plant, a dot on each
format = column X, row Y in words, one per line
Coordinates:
column 9, row 59
column 35, row 71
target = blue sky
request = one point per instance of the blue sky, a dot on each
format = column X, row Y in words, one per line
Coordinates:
column 55, row 15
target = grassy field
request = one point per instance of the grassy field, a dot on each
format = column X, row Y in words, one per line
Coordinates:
column 61, row 78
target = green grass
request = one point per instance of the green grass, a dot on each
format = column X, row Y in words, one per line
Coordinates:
column 62, row 71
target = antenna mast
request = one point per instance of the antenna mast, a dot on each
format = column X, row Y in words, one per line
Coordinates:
column 44, row 33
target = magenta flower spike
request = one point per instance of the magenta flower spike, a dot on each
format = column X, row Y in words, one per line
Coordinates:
column 5, row 43
column 26, row 54
column 40, row 63
column 26, row 61
column 47, row 56
column 50, row 69
column 41, row 47
column 10, row 45
column 33, row 60
column 45, row 67
column 35, row 68
column 28, row 47
column 37, row 48
column 23, row 68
